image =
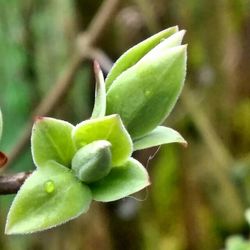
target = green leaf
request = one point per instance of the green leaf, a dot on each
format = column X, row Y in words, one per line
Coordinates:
column 160, row 135
column 145, row 94
column 170, row 42
column 51, row 196
column 121, row 182
column 93, row 161
column 100, row 93
column 108, row 128
column 51, row 140
column 1, row 124
column 134, row 54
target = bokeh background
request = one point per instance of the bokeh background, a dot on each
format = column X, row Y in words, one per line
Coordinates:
column 198, row 194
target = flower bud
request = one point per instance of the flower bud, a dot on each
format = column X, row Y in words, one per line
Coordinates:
column 93, row 161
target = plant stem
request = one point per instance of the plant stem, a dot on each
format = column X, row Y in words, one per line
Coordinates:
column 11, row 183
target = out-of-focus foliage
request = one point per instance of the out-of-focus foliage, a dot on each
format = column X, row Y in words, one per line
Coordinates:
column 237, row 243
column 198, row 195
column 1, row 124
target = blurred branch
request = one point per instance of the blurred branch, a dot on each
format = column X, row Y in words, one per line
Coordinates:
column 221, row 170
column 10, row 184
column 51, row 101
column 211, row 138
column 149, row 15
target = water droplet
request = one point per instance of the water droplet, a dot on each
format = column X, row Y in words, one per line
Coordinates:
column 49, row 187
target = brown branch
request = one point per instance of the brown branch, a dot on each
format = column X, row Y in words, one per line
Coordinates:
column 10, row 184
column 65, row 81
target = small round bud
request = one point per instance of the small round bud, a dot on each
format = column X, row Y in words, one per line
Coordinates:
column 93, row 161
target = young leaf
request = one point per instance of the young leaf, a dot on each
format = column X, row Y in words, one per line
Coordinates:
column 108, row 128
column 170, row 42
column 160, row 135
column 51, row 140
column 145, row 94
column 121, row 182
column 100, row 93
column 134, row 54
column 51, row 196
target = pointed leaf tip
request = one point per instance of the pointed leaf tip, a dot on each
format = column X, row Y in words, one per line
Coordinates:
column 97, row 67
column 134, row 54
column 99, row 109
column 159, row 136
column 51, row 140
column 170, row 42
column 38, row 118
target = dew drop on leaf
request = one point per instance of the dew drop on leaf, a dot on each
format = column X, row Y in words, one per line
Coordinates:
column 49, row 187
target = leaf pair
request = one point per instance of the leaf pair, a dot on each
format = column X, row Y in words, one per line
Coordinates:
column 53, row 194
column 143, row 86
column 145, row 82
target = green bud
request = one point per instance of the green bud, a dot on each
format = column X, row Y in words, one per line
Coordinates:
column 134, row 54
column 144, row 94
column 93, row 161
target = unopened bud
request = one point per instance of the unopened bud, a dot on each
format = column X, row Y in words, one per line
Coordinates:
column 93, row 161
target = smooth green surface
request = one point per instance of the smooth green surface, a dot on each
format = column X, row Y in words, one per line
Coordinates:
column 51, row 140
column 121, row 182
column 37, row 206
column 108, row 128
column 134, row 54
column 93, row 161
column 170, row 42
column 160, row 135
column 99, row 109
column 145, row 94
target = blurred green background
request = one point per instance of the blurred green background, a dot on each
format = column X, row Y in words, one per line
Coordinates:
column 198, row 194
